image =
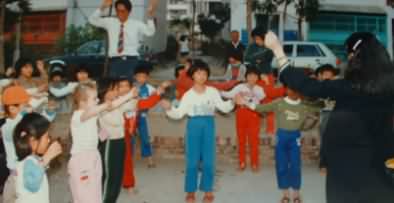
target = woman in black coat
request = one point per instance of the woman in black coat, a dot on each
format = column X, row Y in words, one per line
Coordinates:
column 359, row 136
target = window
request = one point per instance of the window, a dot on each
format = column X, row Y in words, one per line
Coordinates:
column 288, row 50
column 307, row 51
column 89, row 48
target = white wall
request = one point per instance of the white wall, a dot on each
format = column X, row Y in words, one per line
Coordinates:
column 39, row 5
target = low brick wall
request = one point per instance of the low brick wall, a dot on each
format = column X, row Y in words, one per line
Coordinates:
column 168, row 138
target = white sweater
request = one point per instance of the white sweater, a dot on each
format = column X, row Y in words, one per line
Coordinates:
column 200, row 104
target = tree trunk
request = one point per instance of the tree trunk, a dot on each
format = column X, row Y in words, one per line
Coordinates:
column 18, row 34
column 249, row 12
column 192, row 28
column 299, row 25
column 2, row 40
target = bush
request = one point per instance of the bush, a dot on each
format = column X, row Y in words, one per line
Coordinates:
column 75, row 36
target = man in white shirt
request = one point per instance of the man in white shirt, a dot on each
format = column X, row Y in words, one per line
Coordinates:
column 125, row 34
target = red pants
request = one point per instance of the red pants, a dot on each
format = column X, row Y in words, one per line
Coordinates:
column 270, row 123
column 248, row 130
column 128, row 169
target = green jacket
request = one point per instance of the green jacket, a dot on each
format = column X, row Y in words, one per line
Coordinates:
column 260, row 57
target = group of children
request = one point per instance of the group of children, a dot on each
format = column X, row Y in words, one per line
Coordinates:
column 109, row 113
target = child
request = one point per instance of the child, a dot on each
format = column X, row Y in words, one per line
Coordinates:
column 247, row 121
column 145, row 90
column 34, row 152
column 129, row 123
column 24, row 73
column 85, row 167
column 235, row 69
column 14, row 99
column 290, row 115
column 56, row 83
column 199, row 104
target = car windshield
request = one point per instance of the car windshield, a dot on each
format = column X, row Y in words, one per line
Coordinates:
column 90, row 48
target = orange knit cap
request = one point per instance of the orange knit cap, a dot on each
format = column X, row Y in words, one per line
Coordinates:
column 15, row 95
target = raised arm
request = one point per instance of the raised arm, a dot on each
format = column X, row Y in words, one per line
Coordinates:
column 223, row 106
column 297, row 80
column 97, row 19
column 61, row 92
column 231, row 94
column 147, row 29
column 95, row 110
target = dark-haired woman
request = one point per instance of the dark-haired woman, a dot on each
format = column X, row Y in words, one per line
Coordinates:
column 359, row 134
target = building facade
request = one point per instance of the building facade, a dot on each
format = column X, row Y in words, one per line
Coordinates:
column 48, row 20
column 336, row 21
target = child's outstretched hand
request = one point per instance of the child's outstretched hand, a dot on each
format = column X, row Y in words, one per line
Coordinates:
column 54, row 150
column 134, row 92
column 165, row 104
column 238, row 99
column 40, row 66
column 163, row 86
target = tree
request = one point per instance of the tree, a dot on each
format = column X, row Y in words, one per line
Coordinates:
column 306, row 10
column 8, row 18
column 214, row 22
column 75, row 36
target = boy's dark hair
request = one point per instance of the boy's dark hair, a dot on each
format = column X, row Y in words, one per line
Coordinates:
column 104, row 85
column 126, row 3
column 198, row 65
column 326, row 67
column 235, row 56
column 178, row 68
column 124, row 79
column 252, row 70
column 81, row 68
column 32, row 125
column 143, row 67
column 20, row 63
column 259, row 31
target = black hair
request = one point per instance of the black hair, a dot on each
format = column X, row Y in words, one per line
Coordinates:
column 56, row 73
column 143, row 67
column 21, row 62
column 235, row 56
column 326, row 67
column 370, row 69
column 183, row 37
column 104, row 85
column 353, row 42
column 126, row 3
column 252, row 70
column 259, row 31
column 124, row 79
column 32, row 125
column 198, row 65
column 81, row 68
column 177, row 69
column 232, row 31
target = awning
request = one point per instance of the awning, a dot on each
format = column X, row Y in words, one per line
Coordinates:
column 367, row 9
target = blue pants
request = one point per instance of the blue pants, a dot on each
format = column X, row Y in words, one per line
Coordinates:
column 119, row 67
column 200, row 148
column 288, row 159
column 146, row 148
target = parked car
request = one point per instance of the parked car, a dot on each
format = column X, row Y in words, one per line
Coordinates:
column 308, row 55
column 91, row 55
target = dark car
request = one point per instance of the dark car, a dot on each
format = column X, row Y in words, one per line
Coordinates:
column 91, row 55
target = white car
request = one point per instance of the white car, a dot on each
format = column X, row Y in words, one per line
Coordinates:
column 308, row 55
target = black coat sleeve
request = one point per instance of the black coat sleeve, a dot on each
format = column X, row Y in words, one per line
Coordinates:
column 297, row 80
